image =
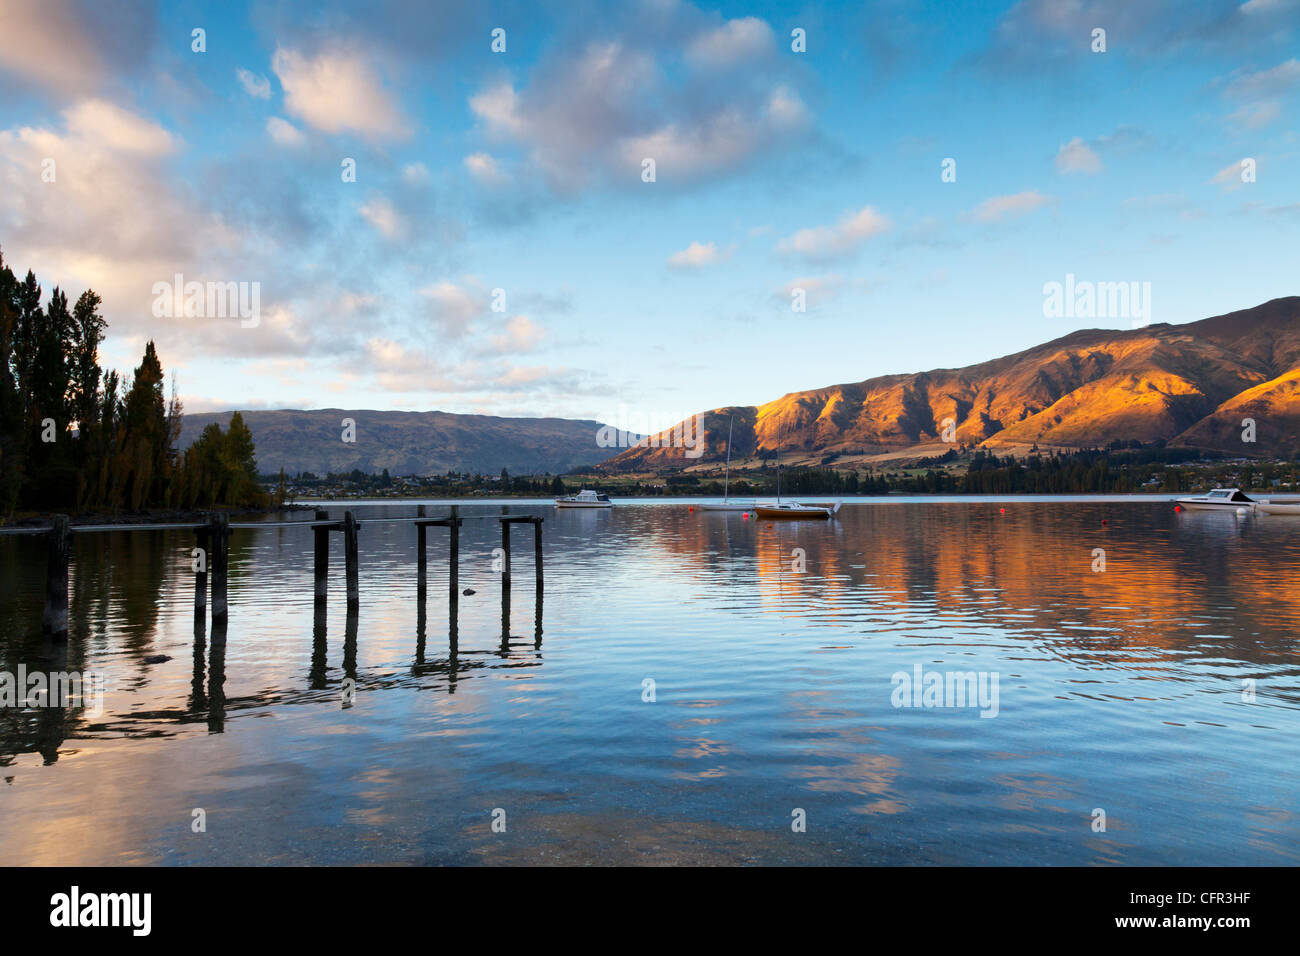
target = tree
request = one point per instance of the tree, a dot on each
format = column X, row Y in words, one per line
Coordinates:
column 11, row 404
column 144, row 448
column 87, row 331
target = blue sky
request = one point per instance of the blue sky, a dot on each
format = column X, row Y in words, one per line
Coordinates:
column 522, row 171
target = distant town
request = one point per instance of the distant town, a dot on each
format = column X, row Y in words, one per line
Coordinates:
column 1115, row 470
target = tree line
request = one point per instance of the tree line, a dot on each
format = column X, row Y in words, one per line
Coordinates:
column 76, row 437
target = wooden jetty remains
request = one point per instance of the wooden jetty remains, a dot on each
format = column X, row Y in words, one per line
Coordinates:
column 212, row 558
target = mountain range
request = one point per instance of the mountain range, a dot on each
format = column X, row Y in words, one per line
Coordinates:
column 1187, row 385
column 420, row 443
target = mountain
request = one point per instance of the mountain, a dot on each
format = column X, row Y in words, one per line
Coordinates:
column 1188, row 384
column 406, row 443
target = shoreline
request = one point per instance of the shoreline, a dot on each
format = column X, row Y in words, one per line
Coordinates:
column 161, row 516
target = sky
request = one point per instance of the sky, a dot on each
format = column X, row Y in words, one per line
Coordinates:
column 921, row 171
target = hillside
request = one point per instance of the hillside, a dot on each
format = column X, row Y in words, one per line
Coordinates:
column 1188, row 384
column 411, row 442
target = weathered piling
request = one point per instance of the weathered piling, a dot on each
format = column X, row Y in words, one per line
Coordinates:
column 350, row 526
column 421, row 559
column 322, row 556
column 505, row 557
column 201, row 573
column 55, row 622
column 218, row 560
column 537, row 552
column 453, row 572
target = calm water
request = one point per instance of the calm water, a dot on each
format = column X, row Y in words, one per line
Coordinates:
column 1119, row 690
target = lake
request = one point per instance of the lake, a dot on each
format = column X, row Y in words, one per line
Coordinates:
column 700, row 688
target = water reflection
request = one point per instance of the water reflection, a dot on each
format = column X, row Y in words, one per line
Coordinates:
column 771, row 646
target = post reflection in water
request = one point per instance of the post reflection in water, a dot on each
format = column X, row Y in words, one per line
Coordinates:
column 217, row 679
column 772, row 648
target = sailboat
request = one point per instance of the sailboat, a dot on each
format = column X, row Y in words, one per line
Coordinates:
column 786, row 510
column 728, row 503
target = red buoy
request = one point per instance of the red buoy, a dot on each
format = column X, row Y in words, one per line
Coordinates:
column 1178, row 507
column 691, row 508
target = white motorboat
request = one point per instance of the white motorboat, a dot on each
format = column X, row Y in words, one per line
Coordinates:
column 1220, row 499
column 584, row 499
column 728, row 503
column 1278, row 507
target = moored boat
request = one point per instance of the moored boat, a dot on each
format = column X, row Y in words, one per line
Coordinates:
column 1220, row 499
column 786, row 510
column 1278, row 507
column 584, row 499
column 728, row 503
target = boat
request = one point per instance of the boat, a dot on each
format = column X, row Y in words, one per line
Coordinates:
column 791, row 510
column 1278, row 507
column 728, row 503
column 584, row 499
column 1220, row 499
column 785, row 510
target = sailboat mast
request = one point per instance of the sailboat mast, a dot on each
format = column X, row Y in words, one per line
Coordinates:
column 778, row 462
column 726, row 481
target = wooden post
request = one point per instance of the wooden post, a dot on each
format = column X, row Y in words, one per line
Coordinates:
column 56, row 579
column 218, row 556
column 322, row 563
column 421, row 556
column 350, row 526
column 537, row 551
column 505, row 558
column 201, row 577
column 453, row 572
column 421, row 563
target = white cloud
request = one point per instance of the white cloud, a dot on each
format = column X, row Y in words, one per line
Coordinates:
column 417, row 174
column 48, row 41
column 105, row 124
column 254, row 84
column 284, row 132
column 522, row 334
column 485, row 169
column 1276, row 81
column 697, row 256
column 740, row 41
column 842, row 239
column 614, row 105
column 338, row 91
column 1229, row 177
column 1003, row 207
column 383, row 215
column 1256, row 115
column 1076, row 157
column 452, row 307
column 817, row 289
